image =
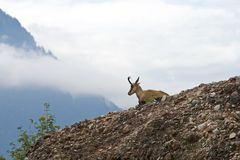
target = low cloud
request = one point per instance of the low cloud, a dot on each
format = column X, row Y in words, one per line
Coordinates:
column 171, row 46
column 20, row 69
column 233, row 4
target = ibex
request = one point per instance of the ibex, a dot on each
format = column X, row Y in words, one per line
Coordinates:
column 144, row 96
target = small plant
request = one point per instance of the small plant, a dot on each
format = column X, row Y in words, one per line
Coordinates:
column 45, row 124
column 2, row 158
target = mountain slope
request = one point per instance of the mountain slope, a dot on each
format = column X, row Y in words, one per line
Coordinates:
column 14, row 34
column 19, row 105
column 200, row 123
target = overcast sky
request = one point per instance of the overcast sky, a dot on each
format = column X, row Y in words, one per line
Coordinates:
column 171, row 44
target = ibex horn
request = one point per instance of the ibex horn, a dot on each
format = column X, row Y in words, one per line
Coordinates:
column 129, row 80
column 137, row 80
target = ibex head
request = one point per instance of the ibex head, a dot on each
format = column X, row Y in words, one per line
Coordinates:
column 134, row 86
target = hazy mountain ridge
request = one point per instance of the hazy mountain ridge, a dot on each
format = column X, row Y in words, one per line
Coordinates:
column 14, row 34
column 199, row 123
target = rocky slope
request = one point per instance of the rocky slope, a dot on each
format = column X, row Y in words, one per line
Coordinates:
column 196, row 124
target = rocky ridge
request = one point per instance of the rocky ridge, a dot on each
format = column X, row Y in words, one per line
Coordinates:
column 196, row 124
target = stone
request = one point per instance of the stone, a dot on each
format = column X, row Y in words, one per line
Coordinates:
column 228, row 104
column 91, row 126
column 234, row 98
column 215, row 131
column 198, row 93
column 192, row 138
column 163, row 98
column 168, row 157
column 202, row 126
column 191, row 120
column 213, row 94
column 217, row 107
column 237, row 81
column 194, row 103
column 236, row 156
column 232, row 135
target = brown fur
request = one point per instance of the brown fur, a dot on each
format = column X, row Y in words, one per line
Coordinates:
column 144, row 96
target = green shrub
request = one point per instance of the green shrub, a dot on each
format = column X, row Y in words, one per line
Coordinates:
column 45, row 124
column 2, row 158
